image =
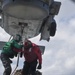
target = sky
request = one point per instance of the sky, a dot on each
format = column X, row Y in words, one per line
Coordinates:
column 59, row 55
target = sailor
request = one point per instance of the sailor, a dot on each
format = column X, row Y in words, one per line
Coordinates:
column 32, row 55
column 10, row 50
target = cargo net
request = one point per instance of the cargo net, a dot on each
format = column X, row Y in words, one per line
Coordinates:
column 19, row 72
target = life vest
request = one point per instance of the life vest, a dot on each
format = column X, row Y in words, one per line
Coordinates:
column 7, row 47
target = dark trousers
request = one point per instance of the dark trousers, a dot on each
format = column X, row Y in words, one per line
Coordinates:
column 6, row 63
column 29, row 68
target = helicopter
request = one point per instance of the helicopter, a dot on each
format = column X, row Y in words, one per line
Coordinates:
column 29, row 17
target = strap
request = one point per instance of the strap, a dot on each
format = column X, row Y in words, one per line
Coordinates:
column 16, row 65
column 10, row 38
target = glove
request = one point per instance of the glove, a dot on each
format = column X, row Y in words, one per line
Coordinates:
column 39, row 66
column 10, row 61
column 21, row 54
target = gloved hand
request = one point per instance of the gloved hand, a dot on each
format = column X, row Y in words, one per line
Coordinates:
column 21, row 54
column 10, row 61
column 39, row 66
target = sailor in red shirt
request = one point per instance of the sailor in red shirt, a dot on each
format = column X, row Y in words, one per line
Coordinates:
column 32, row 55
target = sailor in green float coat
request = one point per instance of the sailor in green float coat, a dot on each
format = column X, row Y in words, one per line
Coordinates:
column 10, row 50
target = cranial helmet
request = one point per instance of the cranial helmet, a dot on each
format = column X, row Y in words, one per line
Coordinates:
column 18, row 38
column 28, row 44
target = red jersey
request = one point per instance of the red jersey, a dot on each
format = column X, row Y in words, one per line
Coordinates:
column 32, row 54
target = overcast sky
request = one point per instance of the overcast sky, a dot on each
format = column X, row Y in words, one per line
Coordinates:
column 59, row 56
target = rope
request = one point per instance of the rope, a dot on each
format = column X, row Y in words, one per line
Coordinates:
column 10, row 38
column 22, row 30
column 16, row 65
